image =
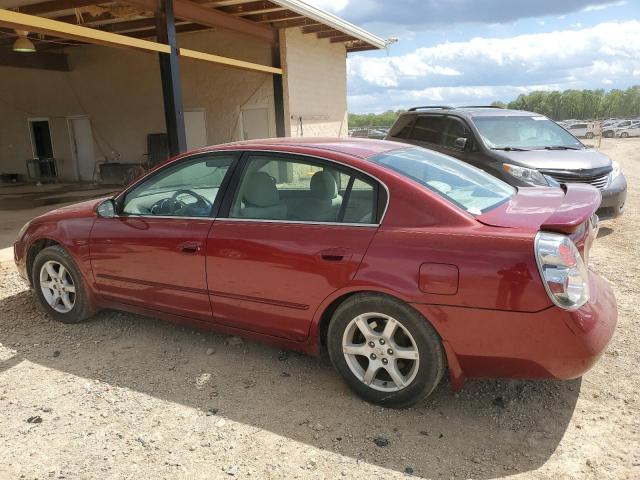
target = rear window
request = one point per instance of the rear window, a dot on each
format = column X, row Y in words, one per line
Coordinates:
column 467, row 187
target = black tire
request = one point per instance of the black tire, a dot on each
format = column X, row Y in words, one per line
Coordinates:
column 589, row 135
column 430, row 365
column 608, row 134
column 624, row 135
column 81, row 309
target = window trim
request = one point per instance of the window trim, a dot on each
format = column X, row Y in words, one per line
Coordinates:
column 234, row 184
column 119, row 200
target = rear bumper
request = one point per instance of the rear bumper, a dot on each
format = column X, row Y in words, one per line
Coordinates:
column 553, row 343
column 613, row 198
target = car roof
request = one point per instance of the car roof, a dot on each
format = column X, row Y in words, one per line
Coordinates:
column 476, row 111
column 357, row 147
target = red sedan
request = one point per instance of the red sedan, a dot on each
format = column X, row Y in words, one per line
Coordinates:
column 403, row 263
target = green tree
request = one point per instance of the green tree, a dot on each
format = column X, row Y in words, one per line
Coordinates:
column 580, row 104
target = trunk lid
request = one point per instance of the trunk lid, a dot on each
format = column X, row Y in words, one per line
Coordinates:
column 561, row 210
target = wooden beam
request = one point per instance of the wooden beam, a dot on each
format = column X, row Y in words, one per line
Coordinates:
column 195, row 13
column 361, row 48
column 319, row 27
column 342, row 38
column 47, row 26
column 249, row 7
column 55, row 6
column 274, row 16
column 231, row 62
column 297, row 22
column 330, row 33
column 149, row 33
column 87, row 19
column 37, row 60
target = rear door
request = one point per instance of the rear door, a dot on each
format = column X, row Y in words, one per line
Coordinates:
column 296, row 230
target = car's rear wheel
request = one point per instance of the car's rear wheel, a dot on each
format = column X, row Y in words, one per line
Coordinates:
column 624, row 135
column 386, row 351
column 59, row 287
column 589, row 135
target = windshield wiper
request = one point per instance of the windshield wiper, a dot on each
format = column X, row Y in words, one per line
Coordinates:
column 511, row 149
column 560, row 147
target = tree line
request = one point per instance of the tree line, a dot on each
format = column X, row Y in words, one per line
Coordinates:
column 577, row 104
column 580, row 104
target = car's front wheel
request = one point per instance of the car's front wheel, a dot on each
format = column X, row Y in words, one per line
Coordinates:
column 59, row 287
column 386, row 351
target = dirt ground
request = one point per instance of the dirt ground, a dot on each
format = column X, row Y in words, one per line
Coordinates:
column 124, row 397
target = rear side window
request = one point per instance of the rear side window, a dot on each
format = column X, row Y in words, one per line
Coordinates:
column 296, row 189
column 402, row 127
column 428, row 129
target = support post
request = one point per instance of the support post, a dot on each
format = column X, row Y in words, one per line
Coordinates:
column 170, row 76
column 278, row 91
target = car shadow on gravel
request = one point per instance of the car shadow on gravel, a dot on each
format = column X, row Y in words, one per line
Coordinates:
column 489, row 429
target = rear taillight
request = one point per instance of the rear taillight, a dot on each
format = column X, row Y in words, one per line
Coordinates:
column 563, row 272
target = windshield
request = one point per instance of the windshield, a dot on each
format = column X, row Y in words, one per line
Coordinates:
column 525, row 133
column 467, row 187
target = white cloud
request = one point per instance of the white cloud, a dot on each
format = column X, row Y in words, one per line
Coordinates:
column 567, row 59
column 595, row 8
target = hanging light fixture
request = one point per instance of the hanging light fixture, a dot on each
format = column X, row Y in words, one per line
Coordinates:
column 22, row 43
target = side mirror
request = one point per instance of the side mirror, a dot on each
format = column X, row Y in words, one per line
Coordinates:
column 461, row 143
column 107, row 209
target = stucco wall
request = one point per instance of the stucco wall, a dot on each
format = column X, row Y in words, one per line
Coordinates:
column 315, row 85
column 120, row 91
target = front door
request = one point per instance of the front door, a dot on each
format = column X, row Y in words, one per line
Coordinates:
column 296, row 231
column 152, row 254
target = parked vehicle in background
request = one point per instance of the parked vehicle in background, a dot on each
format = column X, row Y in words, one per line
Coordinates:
column 377, row 133
column 402, row 262
column 524, row 149
column 630, row 131
column 582, row 130
column 611, row 130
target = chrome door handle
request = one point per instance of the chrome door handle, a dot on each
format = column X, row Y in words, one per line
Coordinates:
column 190, row 247
column 334, row 254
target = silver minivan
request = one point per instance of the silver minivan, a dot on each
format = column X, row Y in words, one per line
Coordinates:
column 525, row 149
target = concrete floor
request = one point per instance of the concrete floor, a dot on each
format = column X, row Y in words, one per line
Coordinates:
column 21, row 203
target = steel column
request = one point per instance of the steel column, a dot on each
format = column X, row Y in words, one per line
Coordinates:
column 278, row 91
column 170, row 76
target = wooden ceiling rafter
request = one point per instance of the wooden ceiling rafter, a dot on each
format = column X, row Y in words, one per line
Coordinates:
column 261, row 18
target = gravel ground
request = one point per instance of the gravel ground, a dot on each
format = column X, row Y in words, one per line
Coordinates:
column 123, row 397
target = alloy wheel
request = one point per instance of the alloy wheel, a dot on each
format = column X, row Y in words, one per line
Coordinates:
column 380, row 352
column 57, row 286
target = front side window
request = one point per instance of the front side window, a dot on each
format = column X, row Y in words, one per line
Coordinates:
column 455, row 130
column 526, row 133
column 187, row 189
column 467, row 187
column 294, row 189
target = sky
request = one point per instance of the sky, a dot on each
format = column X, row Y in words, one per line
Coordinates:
column 474, row 52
